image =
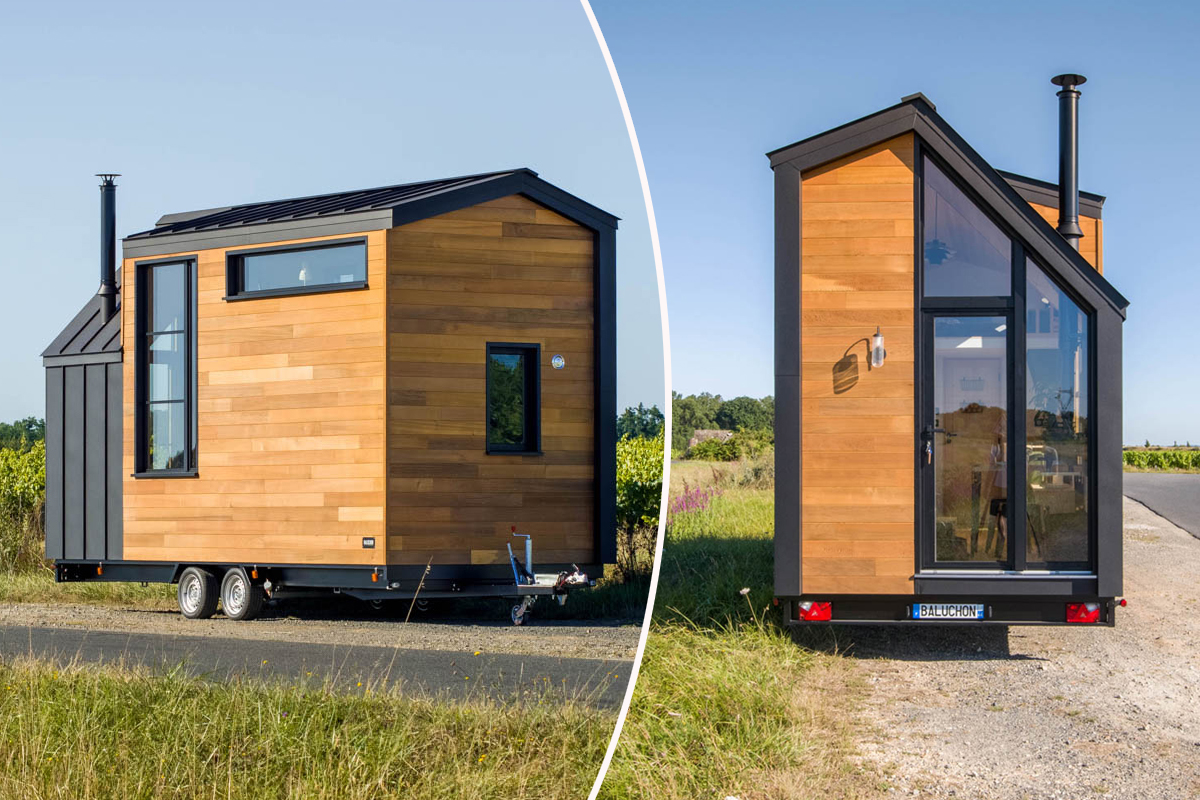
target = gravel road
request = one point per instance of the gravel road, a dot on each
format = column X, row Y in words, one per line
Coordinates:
column 1030, row 713
column 308, row 622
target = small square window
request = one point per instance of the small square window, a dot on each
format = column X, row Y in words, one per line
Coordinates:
column 513, row 399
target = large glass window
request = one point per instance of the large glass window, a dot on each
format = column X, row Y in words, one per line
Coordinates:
column 287, row 270
column 1057, row 430
column 965, row 253
column 166, row 383
column 513, row 415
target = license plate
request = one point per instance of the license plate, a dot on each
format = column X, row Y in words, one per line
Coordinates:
column 947, row 611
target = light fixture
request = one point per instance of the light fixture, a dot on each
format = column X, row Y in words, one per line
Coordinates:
column 878, row 354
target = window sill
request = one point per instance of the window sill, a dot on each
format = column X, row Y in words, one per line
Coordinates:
column 325, row 288
column 167, row 473
column 513, row 452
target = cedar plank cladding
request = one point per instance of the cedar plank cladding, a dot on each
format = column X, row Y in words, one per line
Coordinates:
column 507, row 270
column 1091, row 246
column 291, row 427
column 857, row 443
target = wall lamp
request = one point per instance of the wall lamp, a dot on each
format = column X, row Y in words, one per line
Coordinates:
column 878, row 354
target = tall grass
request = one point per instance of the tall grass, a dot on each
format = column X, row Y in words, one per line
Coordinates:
column 107, row 733
column 726, row 704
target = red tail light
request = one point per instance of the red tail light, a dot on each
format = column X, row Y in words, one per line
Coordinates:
column 1083, row 612
column 815, row 612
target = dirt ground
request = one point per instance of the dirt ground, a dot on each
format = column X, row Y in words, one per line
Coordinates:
column 308, row 621
column 1029, row 713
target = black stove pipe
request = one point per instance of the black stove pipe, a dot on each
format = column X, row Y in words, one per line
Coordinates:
column 1068, row 157
column 108, row 245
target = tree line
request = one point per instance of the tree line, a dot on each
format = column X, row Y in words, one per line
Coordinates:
column 704, row 411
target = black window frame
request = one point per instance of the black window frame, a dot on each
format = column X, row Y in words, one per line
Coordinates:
column 531, row 398
column 1014, row 306
column 190, row 403
column 235, row 270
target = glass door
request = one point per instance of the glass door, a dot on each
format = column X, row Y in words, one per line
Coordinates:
column 965, row 436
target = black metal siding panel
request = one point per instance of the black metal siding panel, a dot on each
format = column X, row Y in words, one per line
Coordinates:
column 605, row 337
column 1109, row 466
column 95, row 400
column 788, row 467
column 54, row 463
column 73, row 477
column 1065, row 586
column 114, row 430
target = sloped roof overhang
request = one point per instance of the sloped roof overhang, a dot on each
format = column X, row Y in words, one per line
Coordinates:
column 916, row 114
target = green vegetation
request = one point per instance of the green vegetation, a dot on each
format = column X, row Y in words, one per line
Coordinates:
column 639, row 498
column 22, row 434
column 726, row 704
column 109, row 733
column 708, row 411
column 1162, row 459
column 742, row 445
column 22, row 497
column 640, row 422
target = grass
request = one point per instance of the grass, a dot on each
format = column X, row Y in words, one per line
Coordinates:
column 38, row 586
column 117, row 733
column 726, row 704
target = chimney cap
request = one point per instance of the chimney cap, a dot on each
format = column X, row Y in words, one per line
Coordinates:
column 1068, row 80
column 107, row 177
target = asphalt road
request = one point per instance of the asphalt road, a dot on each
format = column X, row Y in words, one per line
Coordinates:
column 458, row 675
column 1176, row 497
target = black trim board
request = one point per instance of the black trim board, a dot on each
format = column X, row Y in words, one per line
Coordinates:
column 604, row 342
column 788, row 462
column 916, row 115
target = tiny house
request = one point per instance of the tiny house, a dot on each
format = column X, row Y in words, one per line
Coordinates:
column 947, row 380
column 374, row 392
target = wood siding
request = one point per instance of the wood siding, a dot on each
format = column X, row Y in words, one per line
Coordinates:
column 512, row 271
column 857, row 425
column 1091, row 246
column 291, row 428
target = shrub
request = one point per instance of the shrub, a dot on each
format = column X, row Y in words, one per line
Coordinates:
column 22, row 499
column 639, row 498
column 1163, row 459
column 714, row 450
column 743, row 444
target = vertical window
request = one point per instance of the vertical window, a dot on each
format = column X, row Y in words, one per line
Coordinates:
column 965, row 253
column 513, row 402
column 1057, row 429
column 166, row 382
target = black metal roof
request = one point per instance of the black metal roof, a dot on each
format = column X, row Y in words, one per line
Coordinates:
column 88, row 339
column 917, row 114
column 326, row 205
column 1045, row 193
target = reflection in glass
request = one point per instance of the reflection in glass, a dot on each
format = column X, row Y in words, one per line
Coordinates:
column 1056, row 404
column 966, row 254
column 165, row 377
column 167, row 436
column 970, row 456
column 164, row 287
column 291, row 269
column 506, row 399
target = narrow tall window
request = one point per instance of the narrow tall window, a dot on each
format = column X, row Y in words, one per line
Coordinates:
column 513, row 402
column 1057, row 427
column 166, row 382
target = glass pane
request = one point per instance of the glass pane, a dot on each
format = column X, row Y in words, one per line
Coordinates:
column 164, row 285
column 298, row 268
column 966, row 255
column 165, row 378
column 970, row 453
column 166, row 436
column 1056, row 404
column 506, row 401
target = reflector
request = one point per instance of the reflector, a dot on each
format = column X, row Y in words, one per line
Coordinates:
column 815, row 612
column 1083, row 612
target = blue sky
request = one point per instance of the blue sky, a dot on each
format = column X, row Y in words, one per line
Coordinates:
column 713, row 86
column 218, row 103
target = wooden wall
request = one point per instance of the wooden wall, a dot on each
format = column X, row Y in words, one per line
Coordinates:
column 291, row 428
column 857, row 435
column 507, row 270
column 1091, row 246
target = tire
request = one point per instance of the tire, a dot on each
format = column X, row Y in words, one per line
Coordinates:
column 197, row 593
column 240, row 598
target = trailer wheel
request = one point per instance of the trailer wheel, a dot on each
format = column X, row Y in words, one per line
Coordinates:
column 518, row 614
column 197, row 593
column 240, row 598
